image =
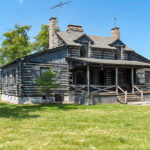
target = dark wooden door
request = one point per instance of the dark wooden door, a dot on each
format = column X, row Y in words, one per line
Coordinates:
column 124, row 79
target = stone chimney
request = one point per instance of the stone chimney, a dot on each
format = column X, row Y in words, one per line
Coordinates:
column 115, row 32
column 74, row 29
column 53, row 40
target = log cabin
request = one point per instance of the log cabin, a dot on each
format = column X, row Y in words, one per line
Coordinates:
column 93, row 69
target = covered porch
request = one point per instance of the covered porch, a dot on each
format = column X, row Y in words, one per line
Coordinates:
column 106, row 77
column 93, row 79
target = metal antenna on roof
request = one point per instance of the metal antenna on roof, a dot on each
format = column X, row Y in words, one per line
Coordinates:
column 115, row 21
column 60, row 5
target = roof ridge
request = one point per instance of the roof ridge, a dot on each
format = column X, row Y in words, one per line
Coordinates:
column 101, row 36
column 86, row 34
column 99, row 41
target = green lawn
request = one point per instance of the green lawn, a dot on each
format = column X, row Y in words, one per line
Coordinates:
column 74, row 127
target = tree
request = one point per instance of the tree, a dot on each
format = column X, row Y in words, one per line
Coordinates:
column 47, row 81
column 16, row 44
column 42, row 39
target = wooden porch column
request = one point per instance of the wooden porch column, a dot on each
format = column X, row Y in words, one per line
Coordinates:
column 116, row 79
column 88, row 79
column 132, row 79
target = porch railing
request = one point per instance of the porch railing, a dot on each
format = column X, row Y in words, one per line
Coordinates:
column 93, row 88
column 141, row 92
column 79, row 88
column 125, row 95
column 97, row 88
column 144, row 87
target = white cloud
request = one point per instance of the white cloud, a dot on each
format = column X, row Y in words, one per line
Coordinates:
column 20, row 1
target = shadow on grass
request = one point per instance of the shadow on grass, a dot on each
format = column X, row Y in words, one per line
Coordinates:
column 24, row 111
column 15, row 112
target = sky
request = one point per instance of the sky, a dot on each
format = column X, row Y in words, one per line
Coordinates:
column 96, row 17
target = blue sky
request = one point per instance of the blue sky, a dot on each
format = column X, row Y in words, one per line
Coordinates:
column 96, row 16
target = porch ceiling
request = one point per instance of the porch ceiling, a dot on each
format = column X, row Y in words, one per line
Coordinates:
column 111, row 62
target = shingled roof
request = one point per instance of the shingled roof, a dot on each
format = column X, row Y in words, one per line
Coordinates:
column 99, row 41
column 111, row 62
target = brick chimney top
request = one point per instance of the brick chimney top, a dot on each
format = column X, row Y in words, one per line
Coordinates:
column 74, row 28
column 115, row 32
column 53, row 18
column 52, row 33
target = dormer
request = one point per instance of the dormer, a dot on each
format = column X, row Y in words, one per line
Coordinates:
column 120, row 48
column 117, row 43
column 85, row 41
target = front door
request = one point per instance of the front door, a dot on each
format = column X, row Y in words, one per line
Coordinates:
column 124, row 79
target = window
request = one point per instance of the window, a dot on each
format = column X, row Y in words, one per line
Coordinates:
column 42, row 70
column 58, row 77
column 141, row 78
column 11, row 77
column 80, row 77
column 35, row 74
column 147, row 77
column 5, row 79
column 14, row 76
column 84, row 50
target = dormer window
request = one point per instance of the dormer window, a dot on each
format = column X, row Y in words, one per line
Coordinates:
column 120, row 48
column 84, row 40
column 84, row 50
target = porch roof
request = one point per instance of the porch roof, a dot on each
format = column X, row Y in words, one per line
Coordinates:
column 111, row 62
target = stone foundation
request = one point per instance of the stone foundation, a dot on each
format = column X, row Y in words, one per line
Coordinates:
column 97, row 99
column 68, row 99
column 146, row 97
column 25, row 100
column 10, row 99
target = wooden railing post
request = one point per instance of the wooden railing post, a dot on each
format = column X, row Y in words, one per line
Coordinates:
column 117, row 80
column 141, row 95
column 126, row 97
column 125, row 94
column 132, row 79
column 141, row 92
column 88, row 80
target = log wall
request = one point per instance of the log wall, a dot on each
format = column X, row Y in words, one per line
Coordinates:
column 102, row 54
column 11, row 80
column 32, row 70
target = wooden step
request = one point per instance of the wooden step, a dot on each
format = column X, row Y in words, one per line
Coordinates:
column 131, row 98
column 139, row 103
column 135, row 100
column 133, row 95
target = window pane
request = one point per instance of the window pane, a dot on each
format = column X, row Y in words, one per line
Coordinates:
column 44, row 70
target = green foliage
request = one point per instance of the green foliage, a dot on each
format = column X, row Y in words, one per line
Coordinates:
column 47, row 81
column 42, row 39
column 16, row 44
column 58, row 29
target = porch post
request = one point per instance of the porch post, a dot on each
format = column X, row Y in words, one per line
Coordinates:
column 132, row 79
column 116, row 79
column 88, row 79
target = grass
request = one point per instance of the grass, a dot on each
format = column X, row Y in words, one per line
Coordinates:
column 74, row 127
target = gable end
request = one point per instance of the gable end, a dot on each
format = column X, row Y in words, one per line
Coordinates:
column 84, row 38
